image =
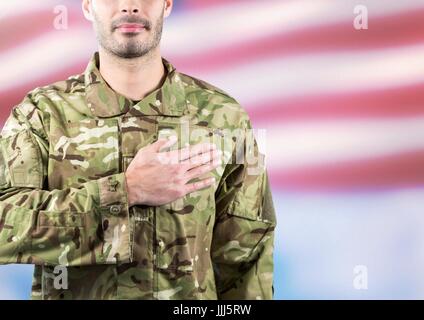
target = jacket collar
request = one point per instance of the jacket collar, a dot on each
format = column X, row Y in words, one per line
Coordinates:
column 103, row 101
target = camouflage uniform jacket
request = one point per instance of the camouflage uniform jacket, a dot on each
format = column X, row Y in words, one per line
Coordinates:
column 63, row 200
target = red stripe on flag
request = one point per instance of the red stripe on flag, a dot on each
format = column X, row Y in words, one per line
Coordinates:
column 204, row 5
column 385, row 103
column 391, row 172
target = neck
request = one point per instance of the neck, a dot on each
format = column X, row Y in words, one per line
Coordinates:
column 133, row 78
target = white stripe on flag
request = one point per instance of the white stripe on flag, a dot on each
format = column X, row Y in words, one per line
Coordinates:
column 328, row 142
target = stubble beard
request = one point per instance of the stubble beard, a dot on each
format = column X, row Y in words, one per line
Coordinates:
column 129, row 48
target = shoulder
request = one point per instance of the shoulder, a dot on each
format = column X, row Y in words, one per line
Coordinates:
column 213, row 103
column 57, row 91
column 44, row 96
column 39, row 104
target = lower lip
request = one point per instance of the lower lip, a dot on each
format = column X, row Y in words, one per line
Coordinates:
column 130, row 29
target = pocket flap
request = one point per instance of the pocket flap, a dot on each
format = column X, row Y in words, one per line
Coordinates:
column 21, row 157
column 59, row 219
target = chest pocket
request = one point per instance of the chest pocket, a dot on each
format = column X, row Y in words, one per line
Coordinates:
column 137, row 132
column 83, row 151
column 191, row 134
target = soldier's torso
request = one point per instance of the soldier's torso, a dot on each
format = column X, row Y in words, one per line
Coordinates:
column 171, row 243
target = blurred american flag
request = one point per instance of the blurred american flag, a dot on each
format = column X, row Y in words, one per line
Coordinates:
column 343, row 108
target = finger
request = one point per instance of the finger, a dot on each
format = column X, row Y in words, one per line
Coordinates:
column 191, row 151
column 201, row 170
column 202, row 159
column 165, row 143
column 202, row 184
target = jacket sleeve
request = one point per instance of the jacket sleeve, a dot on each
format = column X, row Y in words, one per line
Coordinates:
column 79, row 226
column 243, row 239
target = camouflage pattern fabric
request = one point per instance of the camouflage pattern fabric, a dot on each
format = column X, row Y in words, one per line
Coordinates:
column 63, row 199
